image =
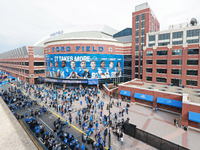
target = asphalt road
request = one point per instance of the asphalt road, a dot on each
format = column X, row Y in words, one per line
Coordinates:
column 47, row 121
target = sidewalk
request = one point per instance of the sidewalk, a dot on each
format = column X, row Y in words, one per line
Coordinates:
column 161, row 124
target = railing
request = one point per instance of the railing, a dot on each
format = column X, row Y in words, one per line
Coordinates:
column 150, row 139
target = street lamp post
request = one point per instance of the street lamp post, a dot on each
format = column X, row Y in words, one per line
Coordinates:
column 109, row 106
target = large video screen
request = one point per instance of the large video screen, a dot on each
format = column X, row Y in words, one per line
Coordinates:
column 84, row 66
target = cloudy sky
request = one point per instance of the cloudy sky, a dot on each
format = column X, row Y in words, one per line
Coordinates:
column 24, row 22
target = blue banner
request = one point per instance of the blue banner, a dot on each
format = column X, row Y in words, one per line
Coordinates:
column 84, row 66
column 93, row 81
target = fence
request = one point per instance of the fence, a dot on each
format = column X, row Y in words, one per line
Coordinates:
column 150, row 139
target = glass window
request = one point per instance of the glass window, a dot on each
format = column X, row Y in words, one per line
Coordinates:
column 177, row 62
column 136, row 69
column 142, row 48
column 142, row 24
column 136, row 62
column 149, row 62
column 163, row 71
column 176, row 71
column 177, row 52
column 152, row 38
column 38, row 71
column 191, row 33
column 194, row 51
column 193, row 41
column 151, row 45
column 149, row 53
column 142, row 39
column 143, row 17
column 162, row 53
column 137, row 33
column 177, row 42
column 137, row 25
column 127, row 63
column 176, row 81
column 192, row 72
column 38, row 63
column 126, row 32
column 164, row 36
column 176, row 35
column 149, row 70
column 136, row 54
column 148, row 78
column 142, row 32
column 137, row 18
column 141, row 62
column 26, row 63
column 161, row 62
column 191, row 82
column 141, row 69
column 192, row 62
column 136, row 47
column 27, row 71
column 136, row 40
column 163, row 43
column 159, row 79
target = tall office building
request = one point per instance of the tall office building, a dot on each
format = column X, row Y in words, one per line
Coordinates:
column 172, row 56
column 143, row 21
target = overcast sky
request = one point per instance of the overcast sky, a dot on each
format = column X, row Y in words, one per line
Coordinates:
column 24, row 22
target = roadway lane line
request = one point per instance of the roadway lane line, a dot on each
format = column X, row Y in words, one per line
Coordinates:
column 43, row 122
column 61, row 118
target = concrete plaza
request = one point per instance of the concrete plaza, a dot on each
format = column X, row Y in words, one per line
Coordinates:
column 159, row 123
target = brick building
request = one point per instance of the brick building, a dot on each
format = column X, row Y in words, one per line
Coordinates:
column 143, row 22
column 173, row 99
column 172, row 56
column 25, row 63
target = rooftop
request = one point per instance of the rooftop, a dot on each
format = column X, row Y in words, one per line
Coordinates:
column 100, row 32
column 193, row 94
column 176, row 28
column 142, row 6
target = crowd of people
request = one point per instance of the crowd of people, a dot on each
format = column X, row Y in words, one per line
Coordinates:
column 89, row 116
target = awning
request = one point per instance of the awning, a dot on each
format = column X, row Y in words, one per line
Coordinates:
column 169, row 102
column 143, row 97
column 194, row 116
column 125, row 93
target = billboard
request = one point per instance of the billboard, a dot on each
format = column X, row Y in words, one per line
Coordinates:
column 84, row 66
